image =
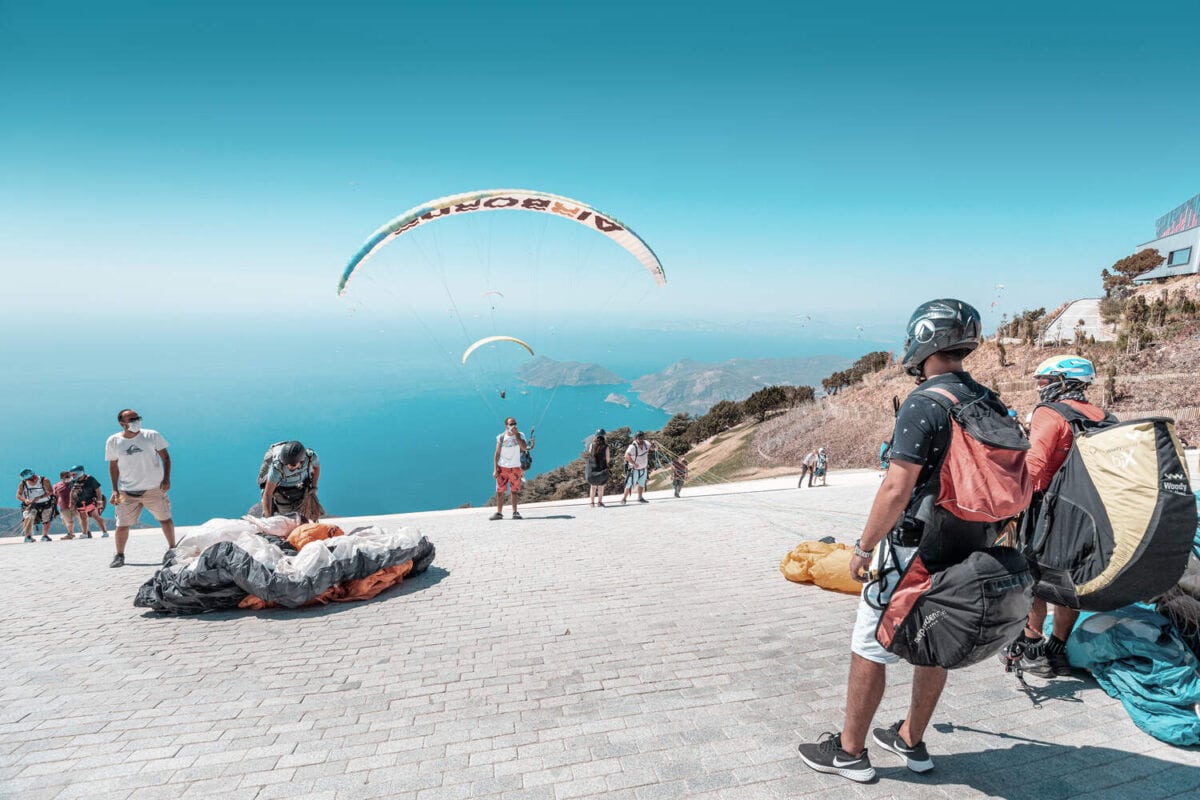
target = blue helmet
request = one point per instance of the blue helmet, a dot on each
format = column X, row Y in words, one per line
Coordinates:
column 1067, row 368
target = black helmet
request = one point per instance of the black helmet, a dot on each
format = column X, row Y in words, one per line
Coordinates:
column 937, row 326
column 292, row 453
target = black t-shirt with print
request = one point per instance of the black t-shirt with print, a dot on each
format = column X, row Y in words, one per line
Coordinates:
column 921, row 436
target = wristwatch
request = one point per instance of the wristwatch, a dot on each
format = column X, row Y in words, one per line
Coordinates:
column 858, row 551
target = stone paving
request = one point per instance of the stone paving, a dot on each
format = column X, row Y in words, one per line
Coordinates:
column 646, row 651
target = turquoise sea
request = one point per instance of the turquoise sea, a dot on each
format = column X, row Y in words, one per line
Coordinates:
column 399, row 424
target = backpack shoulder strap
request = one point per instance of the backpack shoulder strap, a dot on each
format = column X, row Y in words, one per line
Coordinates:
column 1077, row 420
column 942, row 396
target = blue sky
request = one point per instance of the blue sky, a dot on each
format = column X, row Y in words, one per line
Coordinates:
column 210, row 160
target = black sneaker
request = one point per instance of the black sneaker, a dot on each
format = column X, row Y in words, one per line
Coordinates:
column 827, row 755
column 917, row 757
column 46, row 538
column 1056, row 658
column 643, row 500
column 118, row 560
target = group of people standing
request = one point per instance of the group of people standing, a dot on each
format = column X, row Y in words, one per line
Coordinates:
column 76, row 497
column 139, row 470
column 508, row 467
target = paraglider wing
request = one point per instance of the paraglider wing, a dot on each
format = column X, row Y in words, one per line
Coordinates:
column 489, row 340
column 513, row 200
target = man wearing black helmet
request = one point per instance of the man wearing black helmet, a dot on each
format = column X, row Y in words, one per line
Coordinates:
column 292, row 476
column 941, row 333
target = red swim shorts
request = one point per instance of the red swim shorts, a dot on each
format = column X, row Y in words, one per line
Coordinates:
column 509, row 477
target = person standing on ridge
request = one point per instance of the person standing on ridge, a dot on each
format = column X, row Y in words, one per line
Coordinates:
column 637, row 466
column 62, row 494
column 506, row 467
column 1061, row 379
column 36, row 496
column 140, row 469
column 595, row 468
column 679, row 473
column 88, row 498
column 807, row 467
column 940, row 334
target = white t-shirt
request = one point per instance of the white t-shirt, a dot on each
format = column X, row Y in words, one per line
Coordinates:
column 510, row 449
column 641, row 455
column 137, row 459
column 810, row 459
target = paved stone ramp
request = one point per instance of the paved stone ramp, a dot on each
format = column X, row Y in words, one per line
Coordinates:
column 647, row 651
column 1063, row 328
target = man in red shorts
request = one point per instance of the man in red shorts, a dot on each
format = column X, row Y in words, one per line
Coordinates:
column 506, row 466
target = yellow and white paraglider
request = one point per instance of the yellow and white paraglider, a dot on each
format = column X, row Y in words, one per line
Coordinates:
column 489, row 339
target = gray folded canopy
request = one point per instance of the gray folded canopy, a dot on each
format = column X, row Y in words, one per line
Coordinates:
column 223, row 561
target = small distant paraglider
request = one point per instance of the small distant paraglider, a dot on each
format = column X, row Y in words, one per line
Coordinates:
column 859, row 328
column 997, row 297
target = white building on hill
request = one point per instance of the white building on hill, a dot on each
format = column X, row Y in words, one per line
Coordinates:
column 1178, row 239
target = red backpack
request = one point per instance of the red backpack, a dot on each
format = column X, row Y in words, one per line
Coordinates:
column 983, row 477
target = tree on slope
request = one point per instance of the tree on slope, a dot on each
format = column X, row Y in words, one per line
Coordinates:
column 1124, row 271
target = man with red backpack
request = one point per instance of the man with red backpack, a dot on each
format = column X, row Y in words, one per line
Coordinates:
column 908, row 518
column 1060, row 379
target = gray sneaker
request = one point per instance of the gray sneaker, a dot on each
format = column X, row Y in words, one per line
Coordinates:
column 118, row 560
column 1026, row 656
column 827, row 755
column 916, row 757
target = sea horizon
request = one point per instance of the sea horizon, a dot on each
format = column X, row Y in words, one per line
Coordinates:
column 399, row 425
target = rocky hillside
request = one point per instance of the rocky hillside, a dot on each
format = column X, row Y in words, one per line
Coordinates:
column 1158, row 378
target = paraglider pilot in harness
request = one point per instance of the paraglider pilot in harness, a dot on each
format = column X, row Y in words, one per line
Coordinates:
column 940, row 334
column 289, row 481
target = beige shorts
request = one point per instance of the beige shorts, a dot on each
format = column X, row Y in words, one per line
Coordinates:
column 69, row 516
column 129, row 508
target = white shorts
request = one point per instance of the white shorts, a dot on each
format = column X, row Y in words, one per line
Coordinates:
column 863, row 641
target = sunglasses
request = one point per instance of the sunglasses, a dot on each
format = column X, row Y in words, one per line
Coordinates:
column 133, row 419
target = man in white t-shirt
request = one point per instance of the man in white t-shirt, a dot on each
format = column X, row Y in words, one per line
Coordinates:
column 140, row 469
column 506, row 466
column 637, row 466
column 808, row 467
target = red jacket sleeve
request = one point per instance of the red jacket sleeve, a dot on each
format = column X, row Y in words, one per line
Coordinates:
column 1049, row 442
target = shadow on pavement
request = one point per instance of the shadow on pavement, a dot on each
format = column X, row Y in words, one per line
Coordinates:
column 1033, row 769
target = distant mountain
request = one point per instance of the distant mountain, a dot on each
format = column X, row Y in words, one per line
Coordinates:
column 695, row 387
column 546, row 373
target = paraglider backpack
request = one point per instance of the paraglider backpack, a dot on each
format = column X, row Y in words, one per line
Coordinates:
column 272, row 454
column 959, row 601
column 1117, row 522
column 526, row 459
